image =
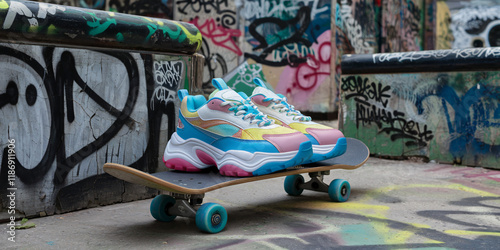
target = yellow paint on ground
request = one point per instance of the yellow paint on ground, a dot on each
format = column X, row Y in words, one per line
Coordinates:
column 465, row 232
column 456, row 187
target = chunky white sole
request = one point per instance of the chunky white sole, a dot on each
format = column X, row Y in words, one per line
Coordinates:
column 202, row 155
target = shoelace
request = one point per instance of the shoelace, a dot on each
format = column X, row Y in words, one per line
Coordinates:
column 249, row 111
column 282, row 105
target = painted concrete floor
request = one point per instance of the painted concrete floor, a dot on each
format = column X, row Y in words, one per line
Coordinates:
column 393, row 204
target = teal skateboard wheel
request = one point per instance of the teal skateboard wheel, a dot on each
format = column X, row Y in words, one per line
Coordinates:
column 211, row 218
column 339, row 190
column 159, row 207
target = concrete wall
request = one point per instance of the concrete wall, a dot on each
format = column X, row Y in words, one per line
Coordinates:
column 67, row 111
column 440, row 105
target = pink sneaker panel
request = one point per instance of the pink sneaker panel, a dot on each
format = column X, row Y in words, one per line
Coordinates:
column 259, row 100
column 231, row 170
column 181, row 165
column 215, row 104
column 205, row 158
column 325, row 136
column 286, row 142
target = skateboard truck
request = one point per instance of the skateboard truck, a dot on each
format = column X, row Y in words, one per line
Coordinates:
column 185, row 205
column 338, row 190
column 316, row 183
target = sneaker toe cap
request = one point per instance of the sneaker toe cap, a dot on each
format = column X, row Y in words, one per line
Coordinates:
column 286, row 142
column 325, row 136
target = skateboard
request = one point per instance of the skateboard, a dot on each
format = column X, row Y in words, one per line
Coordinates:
column 186, row 190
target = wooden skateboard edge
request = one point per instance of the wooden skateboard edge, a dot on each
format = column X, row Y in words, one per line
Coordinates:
column 124, row 173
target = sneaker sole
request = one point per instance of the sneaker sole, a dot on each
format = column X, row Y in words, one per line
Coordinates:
column 338, row 150
column 193, row 155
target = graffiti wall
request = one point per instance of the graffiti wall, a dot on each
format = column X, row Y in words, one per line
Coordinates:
column 451, row 117
column 69, row 111
column 218, row 24
column 65, row 111
column 467, row 24
column 402, row 25
column 290, row 42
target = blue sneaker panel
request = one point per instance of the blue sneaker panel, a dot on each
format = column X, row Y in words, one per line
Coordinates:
column 305, row 151
column 224, row 129
column 339, row 149
column 219, row 83
column 252, row 146
column 190, row 131
column 312, row 139
column 182, row 93
column 259, row 82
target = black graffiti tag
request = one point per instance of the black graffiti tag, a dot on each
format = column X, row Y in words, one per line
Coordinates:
column 371, row 108
column 361, row 88
column 302, row 21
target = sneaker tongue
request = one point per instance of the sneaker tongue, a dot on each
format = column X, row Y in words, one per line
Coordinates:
column 266, row 92
column 229, row 94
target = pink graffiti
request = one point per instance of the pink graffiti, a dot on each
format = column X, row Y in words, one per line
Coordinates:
column 220, row 36
column 300, row 82
column 471, row 172
column 307, row 74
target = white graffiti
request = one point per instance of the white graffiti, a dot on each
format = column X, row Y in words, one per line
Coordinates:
column 354, row 31
column 167, row 78
column 473, row 18
column 437, row 54
column 17, row 8
column 294, row 49
column 279, row 9
column 246, row 74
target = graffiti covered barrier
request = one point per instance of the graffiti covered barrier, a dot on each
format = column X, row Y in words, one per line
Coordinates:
column 41, row 23
column 440, row 105
column 68, row 107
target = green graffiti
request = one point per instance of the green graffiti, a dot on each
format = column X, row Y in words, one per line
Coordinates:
column 97, row 26
column 3, row 4
column 119, row 37
column 192, row 38
column 52, row 29
column 180, row 33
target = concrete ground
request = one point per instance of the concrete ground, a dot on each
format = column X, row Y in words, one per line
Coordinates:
column 393, row 204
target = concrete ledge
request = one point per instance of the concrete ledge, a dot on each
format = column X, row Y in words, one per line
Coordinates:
column 446, row 116
column 483, row 59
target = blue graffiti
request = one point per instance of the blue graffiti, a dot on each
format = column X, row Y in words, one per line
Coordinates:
column 483, row 100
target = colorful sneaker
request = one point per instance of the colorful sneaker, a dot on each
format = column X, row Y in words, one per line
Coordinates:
column 231, row 133
column 327, row 142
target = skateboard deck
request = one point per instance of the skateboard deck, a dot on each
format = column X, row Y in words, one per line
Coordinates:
column 202, row 182
column 187, row 189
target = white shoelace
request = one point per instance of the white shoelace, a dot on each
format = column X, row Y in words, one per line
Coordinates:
column 282, row 106
column 249, row 112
